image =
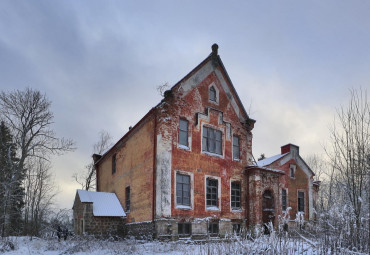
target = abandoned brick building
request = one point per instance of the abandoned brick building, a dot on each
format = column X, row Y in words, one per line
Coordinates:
column 187, row 169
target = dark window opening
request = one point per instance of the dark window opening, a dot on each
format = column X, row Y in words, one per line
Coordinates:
column 184, row 229
column 284, row 199
column 114, row 164
column 183, row 132
column 128, row 194
column 300, row 201
column 212, row 140
column 212, row 94
column 292, row 170
column 183, row 189
column 213, row 228
column 236, row 147
column 236, row 229
column 235, row 195
column 212, row 193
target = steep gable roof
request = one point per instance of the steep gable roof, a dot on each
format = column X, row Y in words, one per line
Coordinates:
column 211, row 63
column 104, row 203
column 270, row 160
column 213, row 59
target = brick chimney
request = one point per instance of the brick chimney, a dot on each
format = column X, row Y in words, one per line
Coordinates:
column 290, row 148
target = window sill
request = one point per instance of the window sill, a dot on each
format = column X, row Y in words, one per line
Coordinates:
column 236, row 210
column 236, row 159
column 212, row 208
column 184, row 147
column 183, row 207
column 213, row 154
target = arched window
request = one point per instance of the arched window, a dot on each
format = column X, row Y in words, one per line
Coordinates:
column 212, row 94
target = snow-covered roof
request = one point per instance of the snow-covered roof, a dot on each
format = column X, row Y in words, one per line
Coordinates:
column 104, row 204
column 268, row 161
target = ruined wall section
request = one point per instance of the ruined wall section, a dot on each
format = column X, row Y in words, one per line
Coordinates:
column 259, row 182
column 134, row 169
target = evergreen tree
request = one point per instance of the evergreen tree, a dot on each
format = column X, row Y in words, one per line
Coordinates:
column 11, row 190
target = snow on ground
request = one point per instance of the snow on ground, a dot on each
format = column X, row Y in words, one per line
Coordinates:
column 92, row 246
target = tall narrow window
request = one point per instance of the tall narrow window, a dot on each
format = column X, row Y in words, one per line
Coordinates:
column 300, row 201
column 114, row 164
column 283, row 199
column 236, row 147
column 183, row 189
column 183, row 132
column 128, row 195
column 212, row 140
column 212, row 193
column 292, row 170
column 212, row 94
column 235, row 195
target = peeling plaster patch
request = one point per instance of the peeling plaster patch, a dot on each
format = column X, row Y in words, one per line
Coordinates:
column 228, row 92
column 163, row 177
column 196, row 78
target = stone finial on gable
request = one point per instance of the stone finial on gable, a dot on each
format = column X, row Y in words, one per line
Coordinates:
column 215, row 54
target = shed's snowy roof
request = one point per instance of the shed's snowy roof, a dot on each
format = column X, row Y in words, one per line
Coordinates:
column 104, row 204
column 268, row 161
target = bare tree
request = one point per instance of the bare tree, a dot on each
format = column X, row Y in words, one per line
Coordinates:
column 27, row 114
column 350, row 147
column 29, row 117
column 87, row 179
column 39, row 193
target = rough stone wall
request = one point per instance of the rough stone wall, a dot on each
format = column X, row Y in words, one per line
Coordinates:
column 102, row 226
column 134, row 168
column 190, row 101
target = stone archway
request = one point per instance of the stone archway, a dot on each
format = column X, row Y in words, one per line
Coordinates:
column 268, row 208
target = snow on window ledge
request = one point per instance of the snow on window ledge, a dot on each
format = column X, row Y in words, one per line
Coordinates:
column 236, row 210
column 184, row 147
column 184, row 207
column 212, row 208
column 212, row 154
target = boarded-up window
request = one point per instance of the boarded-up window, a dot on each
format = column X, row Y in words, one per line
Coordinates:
column 183, row 132
column 212, row 140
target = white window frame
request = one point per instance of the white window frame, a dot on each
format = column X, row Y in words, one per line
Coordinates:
column 212, row 208
column 304, row 200
column 185, row 207
column 222, row 141
column 181, row 146
column 241, row 195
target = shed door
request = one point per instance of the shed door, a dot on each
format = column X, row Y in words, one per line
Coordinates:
column 268, row 210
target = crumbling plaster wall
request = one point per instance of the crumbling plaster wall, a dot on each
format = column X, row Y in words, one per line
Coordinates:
column 190, row 100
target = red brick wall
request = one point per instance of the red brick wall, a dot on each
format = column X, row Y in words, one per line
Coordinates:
column 134, row 168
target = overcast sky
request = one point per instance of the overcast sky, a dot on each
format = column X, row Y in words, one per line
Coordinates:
column 99, row 62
